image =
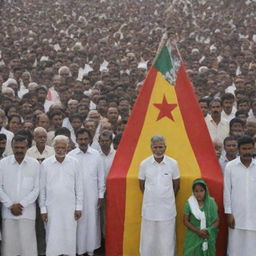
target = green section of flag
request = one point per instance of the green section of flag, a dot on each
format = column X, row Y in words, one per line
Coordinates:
column 163, row 62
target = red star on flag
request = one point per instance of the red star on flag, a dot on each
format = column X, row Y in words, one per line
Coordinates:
column 165, row 109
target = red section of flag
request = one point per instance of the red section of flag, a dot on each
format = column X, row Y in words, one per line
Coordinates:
column 116, row 183
column 203, row 148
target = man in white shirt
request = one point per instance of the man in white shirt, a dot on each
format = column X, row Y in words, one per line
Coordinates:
column 93, row 177
column 217, row 127
column 107, row 154
column 61, row 199
column 19, row 189
column 228, row 109
column 159, row 181
column 40, row 151
column 239, row 200
column 106, row 151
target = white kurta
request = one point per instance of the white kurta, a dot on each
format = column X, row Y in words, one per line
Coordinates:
column 158, row 209
column 88, row 230
column 61, row 194
column 239, row 200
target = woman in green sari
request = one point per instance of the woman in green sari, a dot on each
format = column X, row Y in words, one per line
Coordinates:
column 201, row 219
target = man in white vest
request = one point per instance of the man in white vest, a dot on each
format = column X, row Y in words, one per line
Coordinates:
column 93, row 177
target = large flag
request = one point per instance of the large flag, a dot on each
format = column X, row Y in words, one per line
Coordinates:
column 166, row 106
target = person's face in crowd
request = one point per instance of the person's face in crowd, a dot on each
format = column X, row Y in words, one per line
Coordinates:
column 32, row 100
column 243, row 106
column 12, row 111
column 102, row 107
column 28, row 126
column 64, row 73
column 41, row 95
column 43, row 121
column 60, row 148
column 227, row 105
column 112, row 114
column 90, row 126
column 26, row 108
column 215, row 108
column 83, row 141
column 105, row 142
column 19, row 149
column 14, row 124
column 158, row 149
column 94, row 115
column 239, row 83
column 250, row 128
column 242, row 117
column 231, row 147
column 232, row 69
column 204, row 107
column 17, row 75
column 56, row 121
column 218, row 149
column 237, row 130
column 25, row 79
column 106, row 126
column 76, row 123
column 64, row 96
column 72, row 106
column 246, row 151
column 87, row 84
column 83, row 110
column 2, row 146
column 40, row 138
column 124, row 107
column 199, row 193
column 56, row 81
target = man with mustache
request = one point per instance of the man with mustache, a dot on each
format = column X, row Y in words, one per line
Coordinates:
column 93, row 178
column 217, row 127
column 19, row 189
column 239, row 200
column 159, row 181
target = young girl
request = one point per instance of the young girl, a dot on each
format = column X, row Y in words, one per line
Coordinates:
column 201, row 220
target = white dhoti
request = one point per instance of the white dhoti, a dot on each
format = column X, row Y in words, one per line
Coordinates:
column 19, row 237
column 241, row 242
column 157, row 238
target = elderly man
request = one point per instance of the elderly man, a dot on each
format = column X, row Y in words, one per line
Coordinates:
column 61, row 199
column 159, row 181
column 19, row 189
column 239, row 200
column 40, row 151
column 93, row 177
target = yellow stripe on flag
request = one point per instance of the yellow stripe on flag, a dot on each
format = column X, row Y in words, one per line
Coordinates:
column 175, row 134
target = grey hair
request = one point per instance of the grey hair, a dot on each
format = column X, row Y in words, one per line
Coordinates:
column 60, row 138
column 40, row 129
column 158, row 138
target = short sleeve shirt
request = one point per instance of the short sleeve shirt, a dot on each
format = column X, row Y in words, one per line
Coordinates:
column 159, row 198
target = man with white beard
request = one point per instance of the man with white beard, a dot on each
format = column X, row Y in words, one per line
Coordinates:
column 61, row 199
column 93, row 177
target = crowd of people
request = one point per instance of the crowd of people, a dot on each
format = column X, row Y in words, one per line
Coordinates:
column 74, row 69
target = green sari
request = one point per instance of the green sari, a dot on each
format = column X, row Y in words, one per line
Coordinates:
column 192, row 245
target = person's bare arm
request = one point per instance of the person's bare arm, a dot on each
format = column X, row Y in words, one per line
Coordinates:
column 142, row 185
column 176, row 186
